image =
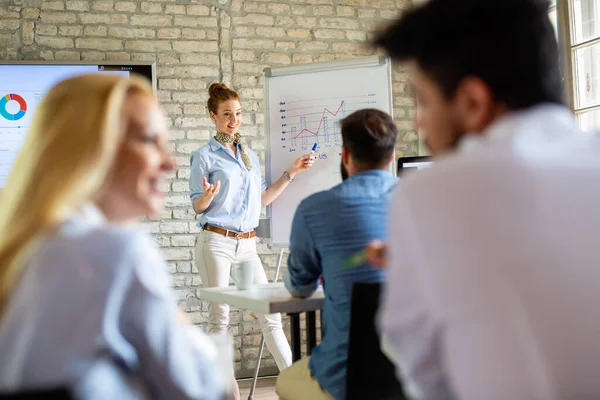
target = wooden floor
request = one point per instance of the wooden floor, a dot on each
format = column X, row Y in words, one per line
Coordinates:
column 265, row 389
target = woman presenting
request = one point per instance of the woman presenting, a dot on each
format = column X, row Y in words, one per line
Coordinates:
column 226, row 188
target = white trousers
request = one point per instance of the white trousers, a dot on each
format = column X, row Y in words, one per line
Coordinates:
column 214, row 255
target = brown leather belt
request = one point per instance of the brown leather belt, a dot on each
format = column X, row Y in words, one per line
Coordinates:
column 228, row 233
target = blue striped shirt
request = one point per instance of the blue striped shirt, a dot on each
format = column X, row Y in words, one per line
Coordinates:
column 328, row 228
column 238, row 204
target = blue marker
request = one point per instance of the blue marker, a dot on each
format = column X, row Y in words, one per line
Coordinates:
column 314, row 148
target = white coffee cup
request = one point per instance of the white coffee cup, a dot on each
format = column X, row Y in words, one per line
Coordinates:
column 243, row 274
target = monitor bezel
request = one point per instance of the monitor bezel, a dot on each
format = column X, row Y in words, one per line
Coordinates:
column 151, row 64
column 411, row 159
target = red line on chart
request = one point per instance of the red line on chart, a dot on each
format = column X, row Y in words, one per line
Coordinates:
column 321, row 121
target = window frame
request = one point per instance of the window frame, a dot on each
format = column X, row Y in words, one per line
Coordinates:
column 565, row 10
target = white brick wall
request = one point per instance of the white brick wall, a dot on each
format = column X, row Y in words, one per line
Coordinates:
column 196, row 43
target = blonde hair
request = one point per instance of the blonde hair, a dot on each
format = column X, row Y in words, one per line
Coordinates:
column 65, row 160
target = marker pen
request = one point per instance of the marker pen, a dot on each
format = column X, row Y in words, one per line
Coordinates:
column 314, row 148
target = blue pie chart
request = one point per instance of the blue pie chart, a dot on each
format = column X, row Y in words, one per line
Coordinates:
column 8, row 115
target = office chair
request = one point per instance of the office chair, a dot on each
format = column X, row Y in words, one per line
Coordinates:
column 370, row 374
column 42, row 394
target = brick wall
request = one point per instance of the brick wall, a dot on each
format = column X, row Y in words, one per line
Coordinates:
column 196, row 43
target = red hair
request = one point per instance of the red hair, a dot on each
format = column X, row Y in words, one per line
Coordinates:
column 219, row 92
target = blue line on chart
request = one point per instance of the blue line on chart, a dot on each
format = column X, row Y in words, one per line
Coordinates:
column 326, row 98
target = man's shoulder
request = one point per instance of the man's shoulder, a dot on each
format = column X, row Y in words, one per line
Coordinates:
column 340, row 196
column 483, row 164
column 324, row 199
column 459, row 166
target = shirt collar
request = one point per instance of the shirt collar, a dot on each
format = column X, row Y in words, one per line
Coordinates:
column 554, row 113
column 526, row 121
column 214, row 144
column 372, row 173
column 92, row 214
column 86, row 218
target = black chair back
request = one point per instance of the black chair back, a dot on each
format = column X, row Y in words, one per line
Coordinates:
column 56, row 394
column 370, row 374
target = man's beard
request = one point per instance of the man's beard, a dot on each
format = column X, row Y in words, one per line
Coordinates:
column 343, row 171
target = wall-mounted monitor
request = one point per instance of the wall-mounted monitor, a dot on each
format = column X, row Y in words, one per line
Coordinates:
column 24, row 83
column 407, row 165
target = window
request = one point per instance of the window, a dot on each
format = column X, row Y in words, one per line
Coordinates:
column 581, row 37
column 552, row 13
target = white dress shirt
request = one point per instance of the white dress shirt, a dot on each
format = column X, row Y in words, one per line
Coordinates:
column 494, row 285
column 93, row 312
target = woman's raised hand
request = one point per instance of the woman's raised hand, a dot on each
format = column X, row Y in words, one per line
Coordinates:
column 210, row 190
column 301, row 164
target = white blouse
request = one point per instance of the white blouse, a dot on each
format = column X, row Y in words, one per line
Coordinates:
column 93, row 311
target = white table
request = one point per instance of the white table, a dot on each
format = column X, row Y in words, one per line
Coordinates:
column 273, row 298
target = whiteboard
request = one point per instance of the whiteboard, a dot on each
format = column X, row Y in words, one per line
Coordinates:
column 303, row 106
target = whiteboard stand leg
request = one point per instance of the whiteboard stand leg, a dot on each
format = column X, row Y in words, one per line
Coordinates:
column 279, row 259
column 262, row 339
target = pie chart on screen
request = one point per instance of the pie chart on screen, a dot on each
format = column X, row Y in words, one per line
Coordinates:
column 18, row 114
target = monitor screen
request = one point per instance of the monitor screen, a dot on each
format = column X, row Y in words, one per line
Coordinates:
column 23, row 85
column 406, row 165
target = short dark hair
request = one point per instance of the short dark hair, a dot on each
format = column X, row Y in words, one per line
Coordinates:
column 369, row 135
column 509, row 44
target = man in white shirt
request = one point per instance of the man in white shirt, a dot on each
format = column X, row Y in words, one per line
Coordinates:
column 494, row 262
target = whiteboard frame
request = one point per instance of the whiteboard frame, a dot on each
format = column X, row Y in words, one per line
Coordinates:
column 310, row 68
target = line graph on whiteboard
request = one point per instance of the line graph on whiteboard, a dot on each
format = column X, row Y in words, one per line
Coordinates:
column 308, row 121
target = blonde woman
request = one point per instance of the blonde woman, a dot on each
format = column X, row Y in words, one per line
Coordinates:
column 84, row 297
column 226, row 189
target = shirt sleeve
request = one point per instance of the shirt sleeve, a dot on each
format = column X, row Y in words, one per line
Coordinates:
column 404, row 319
column 304, row 263
column 177, row 361
column 198, row 171
column 263, row 185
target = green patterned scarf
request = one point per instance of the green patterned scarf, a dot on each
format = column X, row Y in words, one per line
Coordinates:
column 237, row 139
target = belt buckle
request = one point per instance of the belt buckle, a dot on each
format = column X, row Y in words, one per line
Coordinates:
column 239, row 235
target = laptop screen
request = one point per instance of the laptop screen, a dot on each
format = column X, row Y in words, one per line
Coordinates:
column 406, row 165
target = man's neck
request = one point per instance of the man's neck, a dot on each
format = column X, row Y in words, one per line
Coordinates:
column 361, row 170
